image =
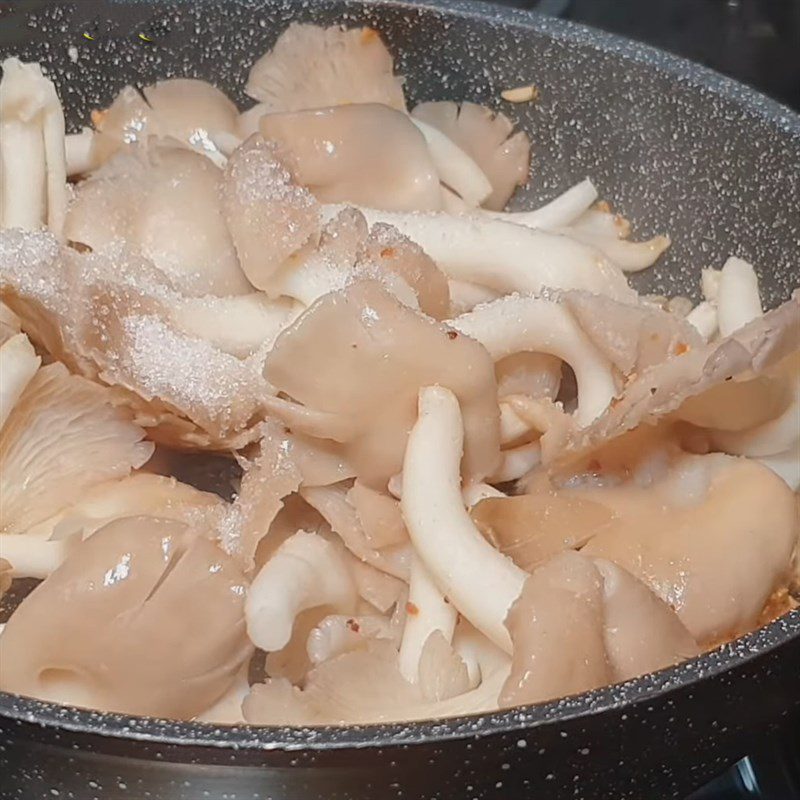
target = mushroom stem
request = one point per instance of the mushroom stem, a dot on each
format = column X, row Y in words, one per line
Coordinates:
column 33, row 556
column 455, row 168
column 478, row 580
column 561, row 211
column 306, row 572
column 18, row 364
column 738, row 298
column 427, row 611
column 503, row 256
column 530, row 324
column 33, row 172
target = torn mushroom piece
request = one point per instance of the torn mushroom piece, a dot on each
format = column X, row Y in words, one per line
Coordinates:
column 486, row 137
column 338, row 633
column 165, row 199
column 140, row 494
column 305, row 572
column 33, row 172
column 531, row 528
column 457, row 171
column 333, row 503
column 582, row 623
column 427, row 613
column 271, row 219
column 664, row 387
column 314, row 67
column 186, row 110
column 100, row 632
column 358, row 687
column 339, row 154
column 389, row 250
column 109, row 316
column 390, row 352
column 633, row 336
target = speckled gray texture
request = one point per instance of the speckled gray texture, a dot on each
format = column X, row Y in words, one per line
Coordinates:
column 676, row 148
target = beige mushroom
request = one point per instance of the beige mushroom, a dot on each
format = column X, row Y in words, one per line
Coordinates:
column 390, row 351
column 101, row 631
column 186, row 110
column 165, row 200
column 485, row 136
column 314, row 67
column 271, row 219
column 341, row 154
column 33, row 172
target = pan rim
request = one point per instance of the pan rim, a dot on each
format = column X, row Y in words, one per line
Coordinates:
column 758, row 643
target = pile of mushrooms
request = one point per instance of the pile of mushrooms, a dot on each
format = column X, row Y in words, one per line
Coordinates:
column 466, row 465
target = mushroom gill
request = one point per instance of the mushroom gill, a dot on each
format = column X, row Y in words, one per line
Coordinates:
column 487, row 137
column 314, row 67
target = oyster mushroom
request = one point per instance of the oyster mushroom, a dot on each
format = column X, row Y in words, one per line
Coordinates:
column 340, row 155
column 337, row 634
column 388, row 250
column 305, row 572
column 642, row 633
column 581, row 623
column 503, row 256
column 363, row 331
column 517, row 324
column 486, row 136
column 186, row 110
column 715, row 540
column 63, row 437
column 165, row 200
column 361, row 686
column 33, row 172
column 556, row 625
column 439, row 525
column 18, row 364
column 100, row 632
column 664, row 387
column 633, row 336
column 140, row 494
column 737, row 296
column 457, row 171
column 427, row 613
column 110, row 317
column 314, row 67
column 270, row 217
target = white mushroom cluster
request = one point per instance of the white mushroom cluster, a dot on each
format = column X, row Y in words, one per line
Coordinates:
column 467, row 466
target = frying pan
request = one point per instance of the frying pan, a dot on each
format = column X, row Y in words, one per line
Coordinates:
column 677, row 148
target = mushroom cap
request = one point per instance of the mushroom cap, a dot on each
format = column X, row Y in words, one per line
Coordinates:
column 269, row 216
column 388, row 352
column 145, row 617
column 166, row 201
column 63, row 437
column 340, row 154
column 313, row 67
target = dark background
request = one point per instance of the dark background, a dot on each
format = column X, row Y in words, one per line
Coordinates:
column 754, row 41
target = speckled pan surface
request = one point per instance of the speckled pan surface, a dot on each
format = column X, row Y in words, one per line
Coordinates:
column 676, row 148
